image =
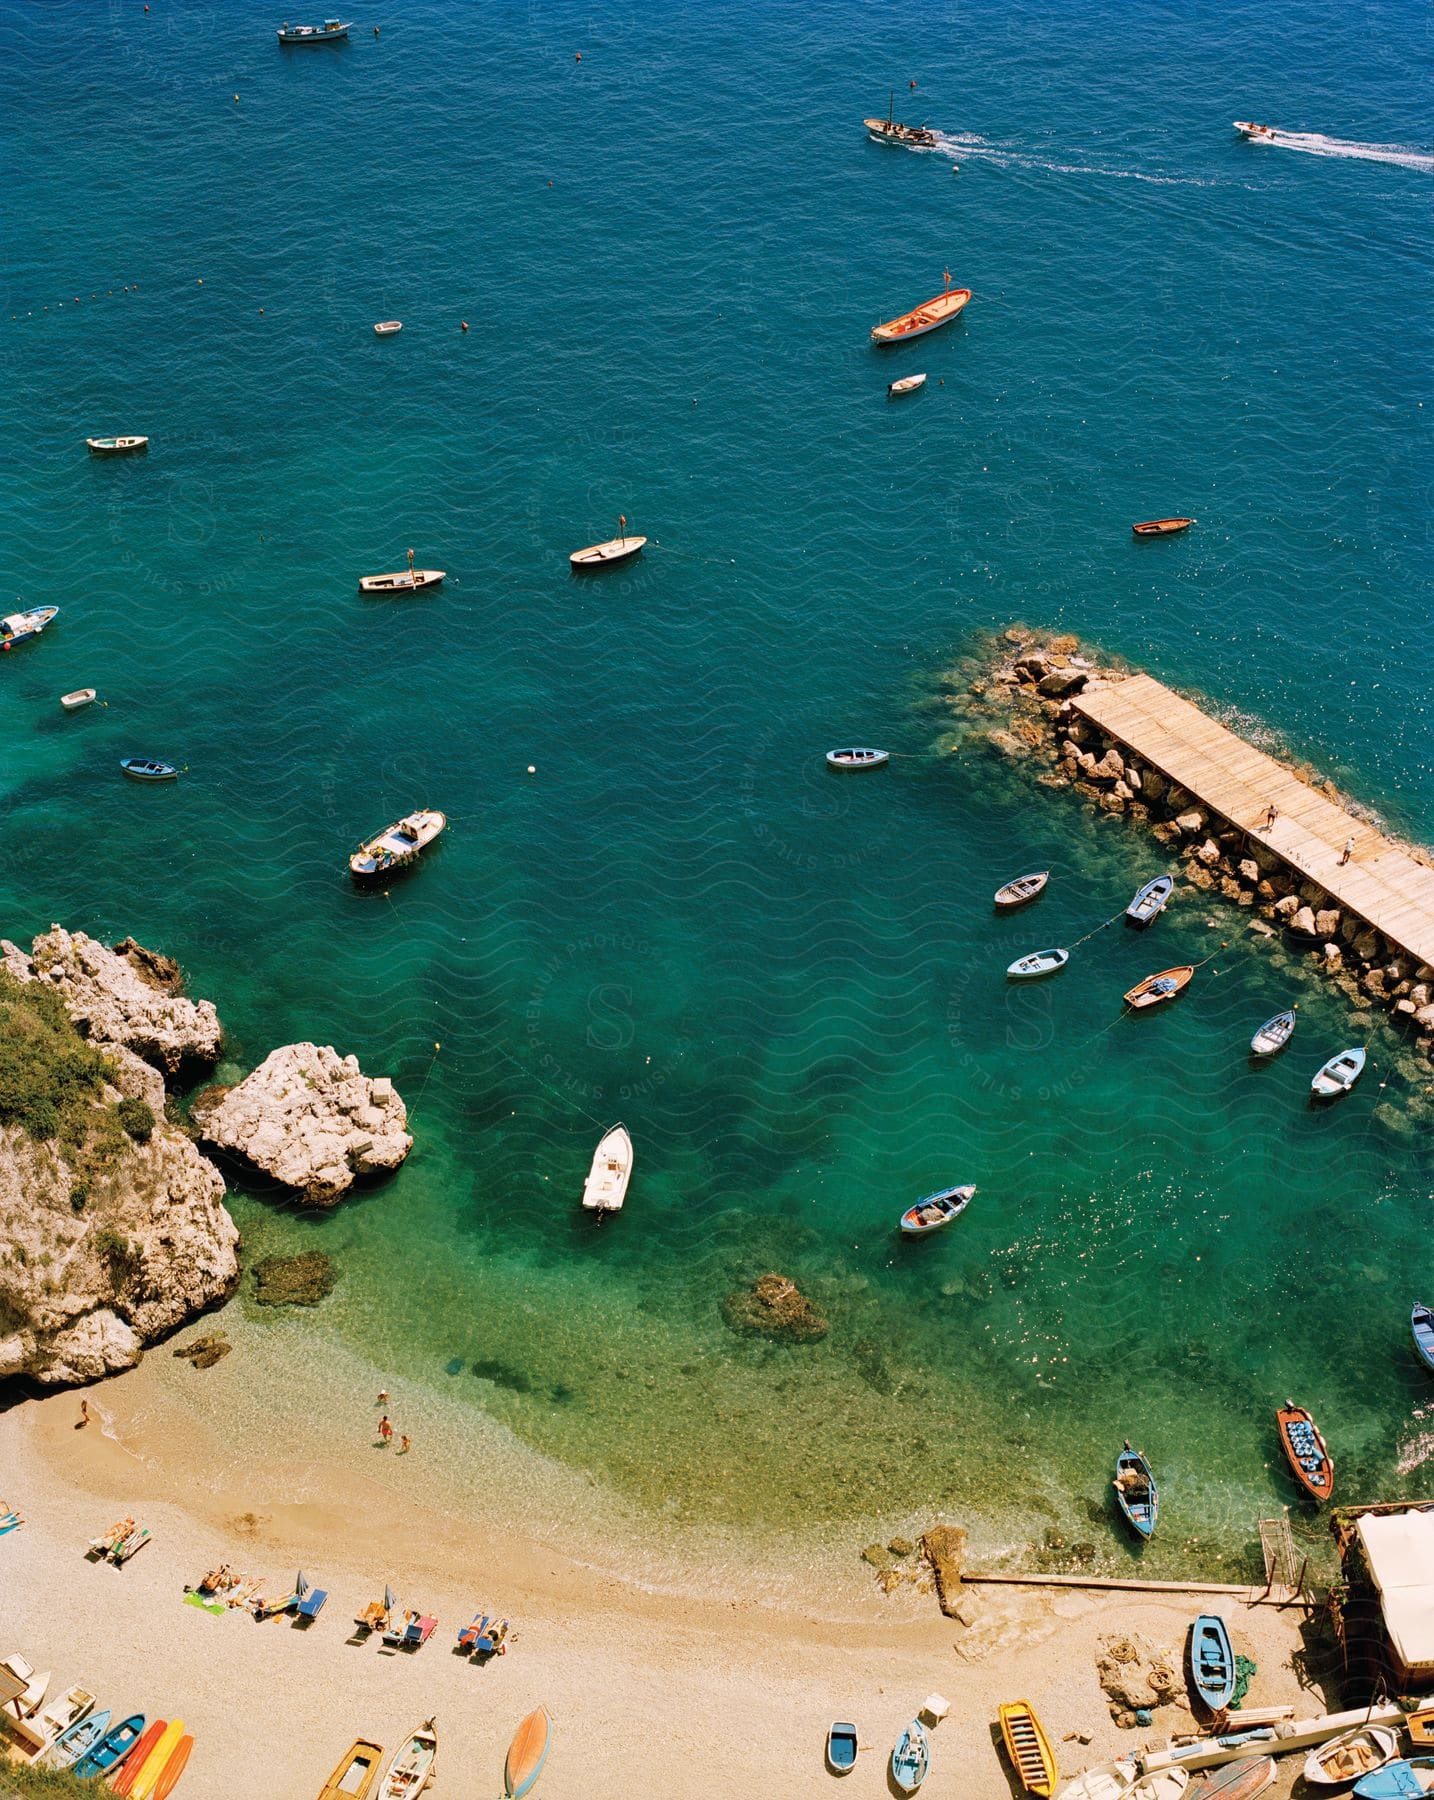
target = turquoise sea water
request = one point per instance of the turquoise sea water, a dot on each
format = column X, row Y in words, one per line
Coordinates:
column 789, row 986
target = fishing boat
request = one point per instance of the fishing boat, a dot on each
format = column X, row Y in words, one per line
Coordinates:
column 923, row 318
column 911, row 1757
column 1351, row 1754
column 1409, row 1779
column 71, row 1745
column 1338, row 1075
column 388, row 327
column 117, row 446
column 615, row 550
column 17, row 627
column 1212, row 1661
column 1421, row 1328
column 1021, row 891
column 889, row 131
column 527, row 1753
column 857, row 758
column 354, row 1773
column 1160, row 987
column 148, row 1768
column 117, row 1742
column 1420, row 1726
column 1038, row 963
column 1161, row 527
column 32, row 1695
column 908, row 384
column 396, row 847
column 1150, row 901
column 606, row 1186
column 1028, row 1748
column 403, row 581
column 144, row 768
column 169, row 1775
column 1136, row 1494
column 1306, row 1450
column 1257, row 134
column 73, row 701
column 330, row 32
column 1273, row 1035
column 936, row 1211
column 841, row 1748
column 1240, row 1780
column 412, row 1769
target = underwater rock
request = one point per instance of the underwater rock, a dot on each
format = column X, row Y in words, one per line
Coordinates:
column 301, row 1280
column 204, row 1352
column 775, row 1307
column 878, row 1556
column 900, row 1546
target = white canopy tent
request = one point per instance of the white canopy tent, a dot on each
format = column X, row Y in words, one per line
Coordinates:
column 1399, row 1550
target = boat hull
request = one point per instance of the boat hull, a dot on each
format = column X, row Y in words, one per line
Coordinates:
column 1351, row 1754
column 1212, row 1662
column 1038, row 965
column 929, row 316
column 858, row 759
column 1397, row 1781
column 606, row 556
column 122, row 446
column 911, row 1758
column 611, row 1170
column 1421, row 1329
column 1028, row 1748
column 949, row 1203
column 1161, row 527
column 1156, row 989
column 1273, row 1035
column 1141, row 1512
column 398, row 847
column 1241, row 1780
column 841, row 1748
column 1150, row 901
column 527, row 1753
column 1306, row 1451
column 402, row 582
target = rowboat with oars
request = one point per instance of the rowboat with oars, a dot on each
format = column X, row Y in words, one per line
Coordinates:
column 856, row 758
column 17, row 627
column 1306, row 1450
column 1350, row 1755
column 926, row 317
column 527, row 1753
column 1339, row 1074
column 1020, row 891
column 1273, row 1035
column 907, row 385
column 614, row 550
column 1155, row 989
column 1212, row 1662
column 398, row 846
column 1161, row 527
column 412, row 1769
column 606, row 1186
column 1421, row 1326
column 1136, row 1494
column 71, row 1745
column 1037, row 964
column 404, row 581
column 911, row 1757
column 117, row 446
column 936, row 1211
column 1028, row 1748
column 1150, row 900
column 332, row 31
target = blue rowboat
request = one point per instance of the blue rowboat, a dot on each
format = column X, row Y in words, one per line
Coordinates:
column 1398, row 1780
column 1338, row 1075
column 1150, row 901
column 141, row 768
column 116, row 1742
column 1135, row 1491
column 1212, row 1661
column 16, row 627
column 936, row 1211
column 841, row 1748
column 79, row 1740
column 1273, row 1035
column 1421, row 1326
column 911, row 1758
column 1038, row 963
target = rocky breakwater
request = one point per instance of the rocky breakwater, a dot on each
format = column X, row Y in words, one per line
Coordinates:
column 1017, row 695
column 112, row 1225
column 310, row 1119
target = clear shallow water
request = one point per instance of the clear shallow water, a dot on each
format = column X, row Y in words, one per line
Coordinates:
column 788, row 986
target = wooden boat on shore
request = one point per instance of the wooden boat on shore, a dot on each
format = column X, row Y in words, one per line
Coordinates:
column 1257, row 134
column 1273, row 1035
column 1037, row 964
column 71, row 1745
column 1408, row 1779
column 1338, row 1075
column 911, row 1757
column 18, row 627
column 332, row 31
column 1212, row 1662
column 1350, row 1755
column 1306, row 1450
column 936, row 1211
column 412, row 1768
column 1021, row 891
column 77, row 698
column 397, row 846
column 603, row 556
column 606, row 1186
column 112, row 1748
column 388, row 328
column 1161, row 527
column 1421, row 1329
column 1028, row 1748
column 117, row 446
column 856, row 758
column 402, row 581
column 1150, row 901
column 921, row 319
column 56, row 1718
column 1136, row 1494
column 1155, row 989
column 31, row 1696
column 1241, row 1780
column 841, row 1748
column 908, row 384
column 144, row 768
column 1420, row 1726
column 354, row 1773
column 527, row 1753
column 1120, row 1780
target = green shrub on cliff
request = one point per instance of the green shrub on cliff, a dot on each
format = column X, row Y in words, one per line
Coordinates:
column 50, row 1078
column 22, row 1781
column 137, row 1119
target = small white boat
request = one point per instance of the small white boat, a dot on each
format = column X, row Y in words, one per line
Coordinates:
column 1273, row 1035
column 1257, row 134
column 615, row 550
column 397, row 847
column 857, row 758
column 1339, row 1074
column 606, row 1186
column 1352, row 1754
column 1018, row 892
column 1107, row 1781
column 332, row 31
column 116, row 446
column 936, row 1211
column 61, row 1713
column 404, row 581
column 412, row 1769
column 388, row 327
column 907, row 385
column 1038, row 963
column 72, row 702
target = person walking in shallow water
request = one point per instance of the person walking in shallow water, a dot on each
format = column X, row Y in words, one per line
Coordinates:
column 403, row 1445
column 382, row 1397
column 385, row 1430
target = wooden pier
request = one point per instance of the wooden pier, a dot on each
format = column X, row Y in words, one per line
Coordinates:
column 1382, row 884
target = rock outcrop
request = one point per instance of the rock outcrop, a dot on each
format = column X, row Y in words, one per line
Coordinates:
column 774, row 1307
column 944, row 1547
column 127, row 997
column 311, row 1120
column 301, row 1280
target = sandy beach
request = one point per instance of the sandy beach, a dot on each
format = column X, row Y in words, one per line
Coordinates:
column 650, row 1691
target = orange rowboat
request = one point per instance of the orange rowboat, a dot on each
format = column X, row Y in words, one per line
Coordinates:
column 1162, row 527
column 923, row 318
column 527, row 1753
column 1306, row 1450
column 1155, row 988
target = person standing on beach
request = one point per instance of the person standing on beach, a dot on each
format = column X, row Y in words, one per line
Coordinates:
column 385, row 1429
column 84, row 1412
column 403, row 1445
column 1347, row 852
column 1271, row 816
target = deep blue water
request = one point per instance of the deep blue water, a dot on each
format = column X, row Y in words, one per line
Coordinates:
column 669, row 255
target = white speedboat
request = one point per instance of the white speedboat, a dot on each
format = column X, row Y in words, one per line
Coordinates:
column 1257, row 134
column 606, row 1186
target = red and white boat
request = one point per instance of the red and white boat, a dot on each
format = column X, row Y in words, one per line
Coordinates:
column 923, row 318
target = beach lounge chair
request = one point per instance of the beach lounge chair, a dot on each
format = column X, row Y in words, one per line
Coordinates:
column 374, row 1617
column 418, row 1631
column 312, row 1604
column 469, row 1637
column 125, row 1549
column 398, row 1629
column 270, row 1609
column 496, row 1642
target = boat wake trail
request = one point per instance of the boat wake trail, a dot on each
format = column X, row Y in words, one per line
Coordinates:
column 968, row 148
column 1315, row 143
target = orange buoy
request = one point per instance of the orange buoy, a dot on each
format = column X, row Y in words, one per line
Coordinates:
column 578, row 57
column 465, row 324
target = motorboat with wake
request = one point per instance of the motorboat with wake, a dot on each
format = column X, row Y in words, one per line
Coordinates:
column 890, row 131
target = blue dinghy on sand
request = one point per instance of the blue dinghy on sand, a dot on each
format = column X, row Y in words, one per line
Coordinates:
column 116, row 1743
column 1212, row 1661
column 79, row 1739
column 911, row 1758
column 841, row 1748
column 1411, row 1779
